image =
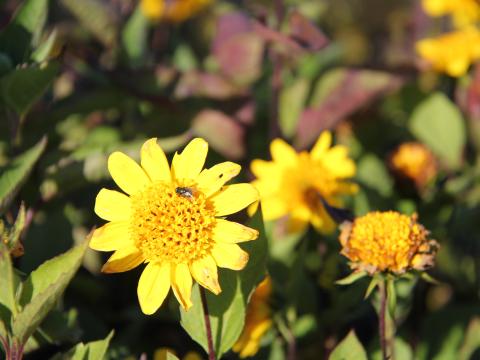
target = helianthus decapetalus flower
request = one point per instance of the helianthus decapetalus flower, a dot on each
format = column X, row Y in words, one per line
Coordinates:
column 387, row 242
column 464, row 12
column 295, row 184
column 413, row 161
column 172, row 220
column 452, row 53
column 257, row 321
column 172, row 10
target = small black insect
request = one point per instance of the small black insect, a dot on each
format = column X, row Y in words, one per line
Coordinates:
column 185, row 192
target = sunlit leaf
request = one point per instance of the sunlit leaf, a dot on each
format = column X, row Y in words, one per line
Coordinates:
column 349, row 348
column 7, row 290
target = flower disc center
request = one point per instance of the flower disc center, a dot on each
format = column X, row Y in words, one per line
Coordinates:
column 172, row 223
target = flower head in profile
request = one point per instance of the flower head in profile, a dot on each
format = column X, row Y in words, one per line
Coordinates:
column 298, row 184
column 452, row 53
column 463, row 12
column 387, row 242
column 414, row 162
column 172, row 219
column 172, row 10
column 257, row 321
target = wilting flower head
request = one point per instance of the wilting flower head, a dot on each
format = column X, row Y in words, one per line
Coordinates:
column 297, row 184
column 387, row 242
column 172, row 220
column 257, row 321
column 172, row 10
column 464, row 12
column 452, row 53
column 413, row 161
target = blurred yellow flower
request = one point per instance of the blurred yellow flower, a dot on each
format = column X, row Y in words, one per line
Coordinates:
column 387, row 242
column 257, row 321
column 415, row 162
column 172, row 10
column 172, row 220
column 453, row 52
column 464, row 12
column 295, row 184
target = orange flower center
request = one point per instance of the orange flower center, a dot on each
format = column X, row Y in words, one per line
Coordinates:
column 172, row 223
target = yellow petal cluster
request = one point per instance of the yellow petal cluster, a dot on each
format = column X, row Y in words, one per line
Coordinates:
column 172, row 10
column 172, row 219
column 452, row 53
column 257, row 321
column 387, row 242
column 464, row 12
column 296, row 184
column 413, row 161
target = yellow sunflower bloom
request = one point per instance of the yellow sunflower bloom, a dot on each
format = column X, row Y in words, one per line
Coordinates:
column 172, row 219
column 296, row 184
column 173, row 10
column 414, row 162
column 464, row 12
column 452, row 53
column 257, row 321
column 387, row 242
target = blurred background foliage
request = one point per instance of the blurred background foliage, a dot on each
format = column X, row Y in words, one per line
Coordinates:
column 80, row 79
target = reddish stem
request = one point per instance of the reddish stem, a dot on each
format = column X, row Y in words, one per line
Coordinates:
column 211, row 349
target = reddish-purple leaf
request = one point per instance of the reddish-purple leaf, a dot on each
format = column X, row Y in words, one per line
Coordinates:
column 229, row 25
column 352, row 90
column 306, row 33
column 223, row 133
column 200, row 84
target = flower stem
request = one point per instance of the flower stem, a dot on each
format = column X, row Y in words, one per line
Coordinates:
column 386, row 325
column 208, row 328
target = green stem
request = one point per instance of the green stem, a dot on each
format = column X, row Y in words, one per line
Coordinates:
column 386, row 325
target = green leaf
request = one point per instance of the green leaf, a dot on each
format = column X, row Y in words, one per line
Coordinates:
column 134, row 37
column 103, row 25
column 48, row 48
column 471, row 342
column 373, row 174
column 7, row 291
column 14, row 174
column 392, row 297
column 43, row 288
column 94, row 350
column 439, row 124
column 349, row 349
column 373, row 284
column 291, row 103
column 227, row 310
column 24, row 30
column 16, row 230
column 351, row 278
column 23, row 87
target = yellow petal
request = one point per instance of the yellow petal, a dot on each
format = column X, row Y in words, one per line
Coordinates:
column 233, row 198
column 153, row 287
column 204, row 271
column 111, row 236
column 211, row 180
column 152, row 9
column 274, row 207
column 232, row 232
column 154, row 161
column 283, row 153
column 123, row 260
column 322, row 145
column 112, row 205
column 189, row 163
column 229, row 256
column 128, row 175
column 182, row 284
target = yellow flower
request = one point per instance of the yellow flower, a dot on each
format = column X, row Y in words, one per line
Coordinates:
column 172, row 220
column 172, row 10
column 387, row 242
column 464, row 12
column 295, row 184
column 453, row 52
column 257, row 321
column 415, row 162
